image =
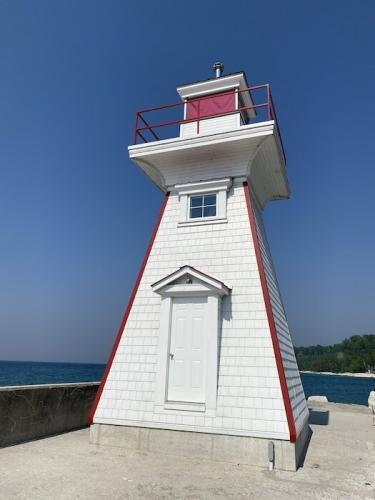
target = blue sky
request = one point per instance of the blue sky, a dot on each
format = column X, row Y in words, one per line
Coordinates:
column 76, row 215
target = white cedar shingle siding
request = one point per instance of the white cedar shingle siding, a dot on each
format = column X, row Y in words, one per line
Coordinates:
column 249, row 398
column 293, row 379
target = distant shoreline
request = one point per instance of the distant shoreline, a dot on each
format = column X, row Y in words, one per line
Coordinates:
column 344, row 374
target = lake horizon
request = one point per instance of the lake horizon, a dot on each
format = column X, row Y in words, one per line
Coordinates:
column 336, row 387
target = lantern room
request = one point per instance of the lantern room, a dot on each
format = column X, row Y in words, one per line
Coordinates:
column 220, row 125
column 216, row 105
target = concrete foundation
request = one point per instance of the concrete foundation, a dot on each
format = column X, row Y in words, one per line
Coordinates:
column 197, row 445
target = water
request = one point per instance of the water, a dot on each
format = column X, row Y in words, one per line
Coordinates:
column 337, row 388
column 34, row 373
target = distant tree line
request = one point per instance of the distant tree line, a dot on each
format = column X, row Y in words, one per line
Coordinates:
column 355, row 354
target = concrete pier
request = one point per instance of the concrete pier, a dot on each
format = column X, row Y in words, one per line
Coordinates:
column 35, row 411
column 339, row 464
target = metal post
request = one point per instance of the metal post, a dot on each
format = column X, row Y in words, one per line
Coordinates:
column 268, row 102
column 136, row 128
column 237, row 102
column 271, row 456
column 199, row 112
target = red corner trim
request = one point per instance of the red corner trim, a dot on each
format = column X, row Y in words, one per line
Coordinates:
column 271, row 320
column 127, row 312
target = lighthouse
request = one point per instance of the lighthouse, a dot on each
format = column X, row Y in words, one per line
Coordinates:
column 203, row 364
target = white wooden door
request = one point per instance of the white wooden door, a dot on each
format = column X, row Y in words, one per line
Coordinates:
column 187, row 356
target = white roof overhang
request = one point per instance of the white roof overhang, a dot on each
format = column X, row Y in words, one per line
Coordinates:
column 252, row 150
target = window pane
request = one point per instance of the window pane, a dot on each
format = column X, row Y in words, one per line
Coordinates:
column 209, row 211
column 196, row 201
column 195, row 212
column 210, row 199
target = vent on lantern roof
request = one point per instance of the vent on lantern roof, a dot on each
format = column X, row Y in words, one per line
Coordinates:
column 218, row 67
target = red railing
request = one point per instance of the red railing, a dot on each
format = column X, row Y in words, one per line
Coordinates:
column 143, row 128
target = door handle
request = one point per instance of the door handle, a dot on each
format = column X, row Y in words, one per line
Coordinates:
column 171, row 356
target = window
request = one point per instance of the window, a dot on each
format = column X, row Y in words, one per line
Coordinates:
column 202, row 206
column 203, row 202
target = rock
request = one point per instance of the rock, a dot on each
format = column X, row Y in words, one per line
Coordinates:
column 371, row 405
column 320, row 399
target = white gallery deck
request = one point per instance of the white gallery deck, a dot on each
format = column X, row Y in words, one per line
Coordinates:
column 340, row 464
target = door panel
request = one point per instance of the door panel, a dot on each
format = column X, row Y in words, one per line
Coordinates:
column 180, row 332
column 187, row 360
column 196, row 336
column 196, row 374
column 178, row 373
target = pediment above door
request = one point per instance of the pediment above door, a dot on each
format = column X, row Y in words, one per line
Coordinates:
column 188, row 281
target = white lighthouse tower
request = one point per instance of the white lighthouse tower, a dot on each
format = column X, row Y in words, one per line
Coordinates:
column 203, row 363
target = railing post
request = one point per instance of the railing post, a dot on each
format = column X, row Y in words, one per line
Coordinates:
column 136, row 128
column 273, row 110
column 274, row 117
column 237, row 102
column 199, row 113
column 269, row 102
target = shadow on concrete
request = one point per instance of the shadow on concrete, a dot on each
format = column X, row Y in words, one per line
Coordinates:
column 317, row 417
column 47, row 436
column 302, row 458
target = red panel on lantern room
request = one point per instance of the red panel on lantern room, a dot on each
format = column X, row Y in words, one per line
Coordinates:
column 211, row 106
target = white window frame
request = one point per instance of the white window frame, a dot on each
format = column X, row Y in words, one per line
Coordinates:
column 219, row 187
column 201, row 285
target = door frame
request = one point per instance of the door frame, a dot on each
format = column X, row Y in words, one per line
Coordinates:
column 196, row 285
column 211, row 362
